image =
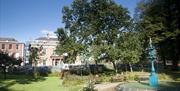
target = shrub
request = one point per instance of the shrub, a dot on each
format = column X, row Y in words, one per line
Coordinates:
column 164, row 76
column 117, row 78
column 136, row 78
column 97, row 79
column 70, row 80
column 79, row 70
column 89, row 87
column 44, row 71
column 100, row 68
column 86, row 69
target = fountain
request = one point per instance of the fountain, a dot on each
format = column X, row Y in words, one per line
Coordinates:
column 153, row 79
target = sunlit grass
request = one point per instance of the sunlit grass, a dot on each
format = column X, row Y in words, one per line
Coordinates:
column 44, row 84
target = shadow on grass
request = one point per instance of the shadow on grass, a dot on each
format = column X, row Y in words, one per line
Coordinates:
column 4, row 89
column 29, row 80
column 17, row 79
column 174, row 75
column 5, row 86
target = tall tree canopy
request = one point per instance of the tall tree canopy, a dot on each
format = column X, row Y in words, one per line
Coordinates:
column 94, row 26
column 160, row 20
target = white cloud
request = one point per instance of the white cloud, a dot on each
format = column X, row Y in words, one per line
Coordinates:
column 51, row 33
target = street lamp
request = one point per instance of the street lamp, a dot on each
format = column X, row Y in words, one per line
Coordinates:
column 64, row 68
column 65, row 57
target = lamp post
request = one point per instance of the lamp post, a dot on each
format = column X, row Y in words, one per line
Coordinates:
column 64, row 65
column 65, row 57
column 153, row 79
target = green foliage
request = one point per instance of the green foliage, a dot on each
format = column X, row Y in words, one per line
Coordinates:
column 7, row 60
column 89, row 87
column 68, row 44
column 33, row 58
column 159, row 19
column 71, row 80
column 164, row 77
column 118, row 78
column 92, row 26
column 130, row 47
column 136, row 78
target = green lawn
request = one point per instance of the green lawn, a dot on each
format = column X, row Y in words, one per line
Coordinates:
column 42, row 84
column 75, row 83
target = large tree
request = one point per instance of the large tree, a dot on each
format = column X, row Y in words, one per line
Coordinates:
column 95, row 23
column 160, row 20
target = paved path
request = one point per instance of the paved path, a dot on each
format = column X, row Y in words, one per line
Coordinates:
column 106, row 86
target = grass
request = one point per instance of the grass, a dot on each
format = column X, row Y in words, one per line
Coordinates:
column 75, row 83
column 41, row 84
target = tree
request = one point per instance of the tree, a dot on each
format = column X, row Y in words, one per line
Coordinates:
column 68, row 44
column 160, row 21
column 6, row 61
column 95, row 24
column 130, row 48
column 33, row 58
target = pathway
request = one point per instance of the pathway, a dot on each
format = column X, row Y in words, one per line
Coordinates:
column 106, row 86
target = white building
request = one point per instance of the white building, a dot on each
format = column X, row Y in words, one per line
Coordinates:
column 48, row 57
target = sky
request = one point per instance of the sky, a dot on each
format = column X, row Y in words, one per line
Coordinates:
column 27, row 20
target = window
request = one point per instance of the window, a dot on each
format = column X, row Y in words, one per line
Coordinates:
column 3, row 46
column 10, row 46
column 17, row 46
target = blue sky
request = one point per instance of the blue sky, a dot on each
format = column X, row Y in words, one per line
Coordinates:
column 26, row 20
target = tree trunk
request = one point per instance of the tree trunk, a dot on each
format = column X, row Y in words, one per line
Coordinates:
column 175, row 58
column 162, row 53
column 96, row 67
column 175, row 64
column 62, row 74
column 130, row 66
column 35, row 70
column 126, row 67
column 114, row 65
column 164, row 61
column 4, row 72
column 96, row 62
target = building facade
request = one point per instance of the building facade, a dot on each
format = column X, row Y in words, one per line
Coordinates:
column 12, row 47
column 47, row 56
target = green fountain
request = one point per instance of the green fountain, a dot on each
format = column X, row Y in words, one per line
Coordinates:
column 153, row 79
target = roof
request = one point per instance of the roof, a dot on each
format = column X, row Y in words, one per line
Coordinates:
column 7, row 39
column 46, row 38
